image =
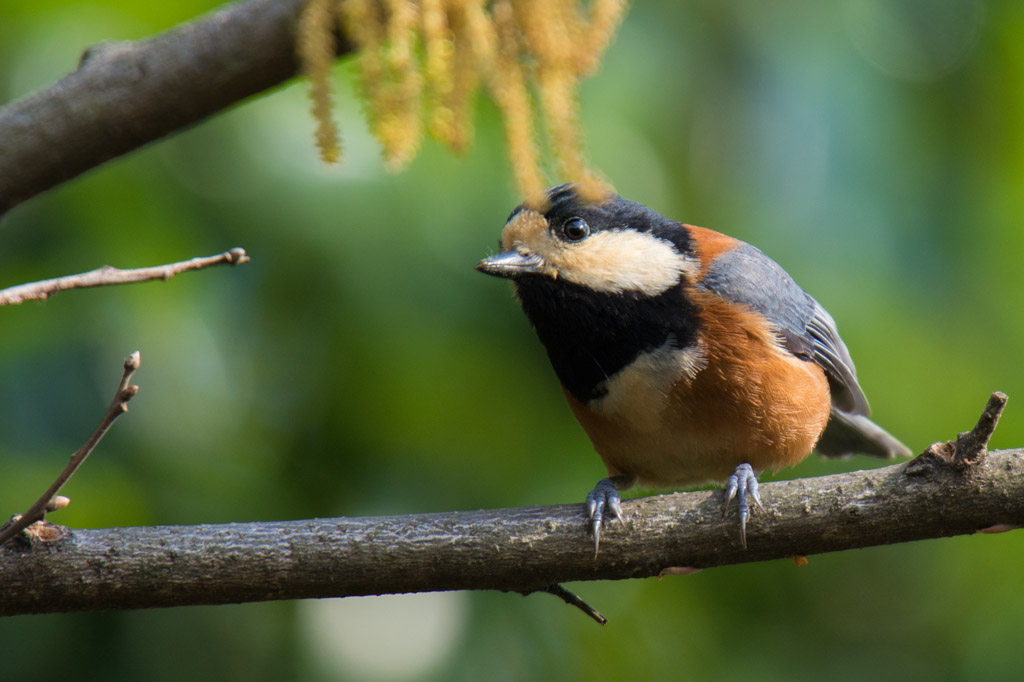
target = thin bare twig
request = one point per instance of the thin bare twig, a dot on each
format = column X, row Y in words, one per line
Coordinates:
column 48, row 502
column 107, row 275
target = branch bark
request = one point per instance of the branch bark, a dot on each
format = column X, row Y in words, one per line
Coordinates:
column 126, row 94
column 522, row 550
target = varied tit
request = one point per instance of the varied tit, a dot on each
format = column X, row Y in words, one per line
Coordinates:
column 687, row 356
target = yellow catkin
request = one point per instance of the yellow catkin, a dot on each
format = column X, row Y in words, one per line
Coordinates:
column 553, row 29
column 361, row 21
column 438, row 67
column 476, row 57
column 557, row 88
column 508, row 87
column 480, row 33
column 316, row 49
column 423, row 60
column 592, row 186
column 549, row 36
column 399, row 125
column 605, row 17
column 464, row 75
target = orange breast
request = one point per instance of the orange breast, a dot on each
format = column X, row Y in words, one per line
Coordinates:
column 744, row 400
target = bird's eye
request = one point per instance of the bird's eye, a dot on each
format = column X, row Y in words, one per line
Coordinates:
column 576, row 229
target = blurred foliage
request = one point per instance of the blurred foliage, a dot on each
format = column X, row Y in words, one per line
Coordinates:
column 358, row 365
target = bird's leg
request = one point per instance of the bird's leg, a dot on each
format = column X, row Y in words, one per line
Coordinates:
column 604, row 498
column 742, row 483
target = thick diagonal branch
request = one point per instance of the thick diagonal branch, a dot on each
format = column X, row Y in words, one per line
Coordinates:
column 126, row 94
column 521, row 550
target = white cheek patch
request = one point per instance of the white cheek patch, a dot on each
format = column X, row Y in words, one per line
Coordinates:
column 616, row 261
column 610, row 261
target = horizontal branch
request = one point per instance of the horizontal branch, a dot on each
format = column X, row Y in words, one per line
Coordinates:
column 523, row 550
column 108, row 275
column 126, row 94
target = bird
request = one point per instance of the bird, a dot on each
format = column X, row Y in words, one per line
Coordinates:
column 687, row 356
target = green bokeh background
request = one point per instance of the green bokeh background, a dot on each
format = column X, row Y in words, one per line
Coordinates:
column 358, row 365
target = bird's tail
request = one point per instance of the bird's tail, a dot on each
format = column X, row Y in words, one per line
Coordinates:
column 854, row 434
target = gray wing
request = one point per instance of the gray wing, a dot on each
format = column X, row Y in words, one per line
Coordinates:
column 745, row 275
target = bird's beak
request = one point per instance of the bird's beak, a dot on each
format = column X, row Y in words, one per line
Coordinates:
column 511, row 264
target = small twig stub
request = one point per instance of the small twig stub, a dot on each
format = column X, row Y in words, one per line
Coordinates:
column 969, row 448
column 972, row 445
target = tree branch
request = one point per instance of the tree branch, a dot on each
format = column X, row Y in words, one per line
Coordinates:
column 522, row 550
column 47, row 503
column 126, row 94
column 108, row 275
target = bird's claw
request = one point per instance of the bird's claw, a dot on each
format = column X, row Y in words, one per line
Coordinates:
column 741, row 485
column 604, row 498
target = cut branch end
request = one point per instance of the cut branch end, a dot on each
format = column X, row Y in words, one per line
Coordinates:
column 972, row 445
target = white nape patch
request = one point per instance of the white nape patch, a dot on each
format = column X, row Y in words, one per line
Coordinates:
column 617, row 261
column 638, row 393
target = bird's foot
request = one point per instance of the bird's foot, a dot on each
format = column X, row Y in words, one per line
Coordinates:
column 742, row 485
column 604, row 500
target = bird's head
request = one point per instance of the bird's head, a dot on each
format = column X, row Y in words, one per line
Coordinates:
column 608, row 246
